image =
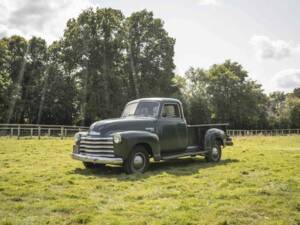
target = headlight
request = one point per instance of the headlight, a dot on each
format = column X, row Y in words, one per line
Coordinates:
column 117, row 138
column 77, row 136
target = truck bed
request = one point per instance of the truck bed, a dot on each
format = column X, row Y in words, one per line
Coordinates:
column 197, row 132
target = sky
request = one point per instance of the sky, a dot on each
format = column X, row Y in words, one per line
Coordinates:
column 262, row 35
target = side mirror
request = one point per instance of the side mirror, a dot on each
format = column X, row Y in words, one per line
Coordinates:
column 164, row 114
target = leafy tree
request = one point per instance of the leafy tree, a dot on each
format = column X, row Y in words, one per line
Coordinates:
column 150, row 56
column 294, row 105
column 32, row 85
column 5, row 80
column 59, row 91
column 198, row 102
column 94, row 55
column 277, row 113
column 225, row 94
column 14, row 67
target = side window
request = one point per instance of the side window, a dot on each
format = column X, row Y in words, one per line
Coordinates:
column 171, row 111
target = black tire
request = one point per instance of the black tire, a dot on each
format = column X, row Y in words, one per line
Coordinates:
column 90, row 165
column 137, row 161
column 215, row 154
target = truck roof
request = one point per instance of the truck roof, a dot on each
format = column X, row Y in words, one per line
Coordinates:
column 156, row 99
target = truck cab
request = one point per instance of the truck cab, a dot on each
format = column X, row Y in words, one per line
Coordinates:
column 148, row 128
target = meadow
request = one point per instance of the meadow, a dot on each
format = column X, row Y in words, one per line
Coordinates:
column 257, row 182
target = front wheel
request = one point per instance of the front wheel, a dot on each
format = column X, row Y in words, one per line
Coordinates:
column 137, row 161
column 214, row 154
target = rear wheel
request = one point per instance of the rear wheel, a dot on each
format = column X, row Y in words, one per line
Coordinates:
column 90, row 165
column 214, row 154
column 137, row 161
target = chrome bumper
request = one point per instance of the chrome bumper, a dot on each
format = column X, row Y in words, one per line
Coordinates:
column 97, row 159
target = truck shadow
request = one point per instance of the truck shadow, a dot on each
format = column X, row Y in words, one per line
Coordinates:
column 178, row 167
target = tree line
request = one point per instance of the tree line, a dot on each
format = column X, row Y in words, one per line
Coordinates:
column 105, row 59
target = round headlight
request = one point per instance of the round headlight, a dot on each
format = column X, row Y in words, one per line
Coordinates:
column 117, row 138
column 77, row 136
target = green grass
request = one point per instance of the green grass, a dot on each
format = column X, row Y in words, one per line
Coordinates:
column 257, row 182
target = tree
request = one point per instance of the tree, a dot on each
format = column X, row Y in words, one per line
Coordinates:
column 294, row 105
column 5, row 80
column 59, row 91
column 32, row 85
column 277, row 113
column 198, row 102
column 150, row 56
column 225, row 94
column 15, row 63
column 94, row 56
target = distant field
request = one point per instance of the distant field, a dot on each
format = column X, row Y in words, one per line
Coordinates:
column 257, row 182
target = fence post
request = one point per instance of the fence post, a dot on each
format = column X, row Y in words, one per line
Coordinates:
column 49, row 132
column 39, row 132
column 61, row 132
column 11, row 132
column 31, row 132
column 19, row 132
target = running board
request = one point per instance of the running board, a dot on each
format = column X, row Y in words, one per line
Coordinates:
column 182, row 155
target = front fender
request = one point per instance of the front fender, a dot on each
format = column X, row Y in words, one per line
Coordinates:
column 211, row 136
column 133, row 138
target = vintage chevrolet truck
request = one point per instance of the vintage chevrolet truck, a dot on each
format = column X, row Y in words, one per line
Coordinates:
column 148, row 128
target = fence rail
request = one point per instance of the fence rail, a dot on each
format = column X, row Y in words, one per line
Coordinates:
column 62, row 131
column 275, row 132
column 35, row 130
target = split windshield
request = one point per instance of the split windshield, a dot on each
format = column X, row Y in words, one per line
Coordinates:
column 142, row 109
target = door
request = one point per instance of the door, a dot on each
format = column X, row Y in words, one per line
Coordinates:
column 172, row 129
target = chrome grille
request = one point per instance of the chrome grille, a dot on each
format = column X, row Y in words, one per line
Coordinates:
column 97, row 146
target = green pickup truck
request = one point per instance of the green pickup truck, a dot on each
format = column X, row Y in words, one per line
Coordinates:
column 148, row 128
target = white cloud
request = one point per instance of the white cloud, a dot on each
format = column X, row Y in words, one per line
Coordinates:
column 38, row 17
column 266, row 48
column 287, row 80
column 209, row 2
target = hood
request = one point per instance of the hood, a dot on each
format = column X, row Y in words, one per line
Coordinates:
column 109, row 126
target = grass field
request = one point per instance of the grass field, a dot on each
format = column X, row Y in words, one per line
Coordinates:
column 257, row 182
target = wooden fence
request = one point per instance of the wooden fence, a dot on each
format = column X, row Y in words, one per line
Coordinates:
column 34, row 130
column 275, row 132
column 62, row 131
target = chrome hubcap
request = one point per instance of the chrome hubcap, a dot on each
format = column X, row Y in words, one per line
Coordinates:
column 138, row 161
column 215, row 152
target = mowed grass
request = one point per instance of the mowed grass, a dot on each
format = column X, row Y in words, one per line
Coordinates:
column 257, row 182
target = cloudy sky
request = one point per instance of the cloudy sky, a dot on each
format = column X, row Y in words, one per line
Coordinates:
column 262, row 35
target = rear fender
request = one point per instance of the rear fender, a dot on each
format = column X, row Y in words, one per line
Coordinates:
column 212, row 136
column 132, row 138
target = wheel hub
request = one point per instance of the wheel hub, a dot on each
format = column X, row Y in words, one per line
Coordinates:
column 215, row 152
column 138, row 161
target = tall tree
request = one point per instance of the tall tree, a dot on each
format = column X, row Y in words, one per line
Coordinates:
column 32, row 85
column 17, row 49
column 58, row 94
column 5, row 80
column 150, row 56
column 198, row 99
column 227, row 94
column 94, row 55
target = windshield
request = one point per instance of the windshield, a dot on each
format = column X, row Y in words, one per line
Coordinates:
column 143, row 109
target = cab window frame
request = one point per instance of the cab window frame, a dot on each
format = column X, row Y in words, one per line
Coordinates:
column 167, row 117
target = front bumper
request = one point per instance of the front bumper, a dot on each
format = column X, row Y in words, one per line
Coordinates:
column 97, row 159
